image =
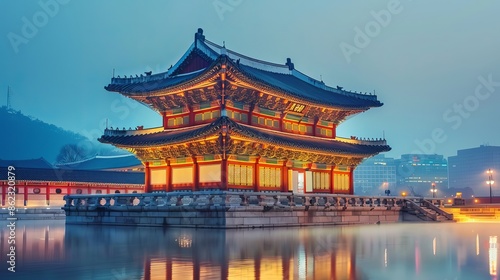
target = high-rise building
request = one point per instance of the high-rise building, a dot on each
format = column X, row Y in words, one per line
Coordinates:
column 375, row 175
column 418, row 172
column 469, row 169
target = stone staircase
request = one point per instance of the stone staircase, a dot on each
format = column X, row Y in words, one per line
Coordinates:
column 425, row 210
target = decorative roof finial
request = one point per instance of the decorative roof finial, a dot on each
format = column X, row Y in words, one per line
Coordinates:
column 289, row 64
column 199, row 35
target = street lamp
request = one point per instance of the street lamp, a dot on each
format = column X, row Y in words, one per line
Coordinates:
column 433, row 190
column 490, row 181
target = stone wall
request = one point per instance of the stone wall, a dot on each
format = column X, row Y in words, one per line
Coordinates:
column 233, row 217
column 34, row 214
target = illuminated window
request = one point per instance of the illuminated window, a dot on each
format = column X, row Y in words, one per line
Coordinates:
column 199, row 117
column 321, row 180
column 270, row 177
column 240, row 175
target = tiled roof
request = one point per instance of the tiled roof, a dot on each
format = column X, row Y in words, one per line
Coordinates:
column 257, row 134
column 297, row 87
column 104, row 163
column 66, row 175
column 148, row 83
column 307, row 143
column 278, row 76
column 163, row 137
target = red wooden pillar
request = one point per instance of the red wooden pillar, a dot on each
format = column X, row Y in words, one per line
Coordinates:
column 315, row 124
column 68, row 189
column 47, row 195
column 284, row 177
column 165, row 119
column 351, row 179
column 25, row 194
column 334, row 131
column 256, row 181
column 250, row 114
column 332, row 178
column 223, row 174
column 196, row 174
column 168, row 186
column 147, row 178
column 282, row 115
column 191, row 115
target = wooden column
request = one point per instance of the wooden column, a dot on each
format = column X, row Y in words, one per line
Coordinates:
column 250, row 114
column 284, row 177
column 196, row 174
column 315, row 124
column 282, row 115
column 334, row 131
column 168, row 187
column 351, row 179
column 256, row 179
column 25, row 194
column 332, row 178
column 47, row 195
column 191, row 115
column 165, row 119
column 147, row 178
column 223, row 174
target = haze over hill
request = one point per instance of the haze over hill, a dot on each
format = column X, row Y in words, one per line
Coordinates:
column 25, row 137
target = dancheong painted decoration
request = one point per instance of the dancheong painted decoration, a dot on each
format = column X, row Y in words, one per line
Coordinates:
column 231, row 122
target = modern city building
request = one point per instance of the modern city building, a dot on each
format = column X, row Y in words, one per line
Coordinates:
column 422, row 175
column 469, row 169
column 375, row 175
column 231, row 122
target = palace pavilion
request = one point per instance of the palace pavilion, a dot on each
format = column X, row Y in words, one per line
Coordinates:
column 231, row 122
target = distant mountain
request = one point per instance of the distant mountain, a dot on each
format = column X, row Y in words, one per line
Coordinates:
column 25, row 137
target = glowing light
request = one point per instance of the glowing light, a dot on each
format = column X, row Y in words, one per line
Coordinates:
column 493, row 255
column 385, row 257
column 434, row 246
column 477, row 244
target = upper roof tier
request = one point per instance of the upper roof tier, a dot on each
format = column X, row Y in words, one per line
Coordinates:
column 203, row 60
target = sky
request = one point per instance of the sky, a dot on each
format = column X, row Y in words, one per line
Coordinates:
column 434, row 65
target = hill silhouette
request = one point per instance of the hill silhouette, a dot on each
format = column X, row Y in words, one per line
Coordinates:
column 25, row 137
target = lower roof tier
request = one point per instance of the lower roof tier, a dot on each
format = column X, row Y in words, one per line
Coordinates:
column 226, row 136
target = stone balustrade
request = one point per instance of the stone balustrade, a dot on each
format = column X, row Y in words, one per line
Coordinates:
column 200, row 200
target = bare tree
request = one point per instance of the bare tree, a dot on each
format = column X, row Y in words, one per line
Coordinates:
column 71, row 153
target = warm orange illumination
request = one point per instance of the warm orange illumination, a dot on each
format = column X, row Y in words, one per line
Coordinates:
column 403, row 194
column 449, row 200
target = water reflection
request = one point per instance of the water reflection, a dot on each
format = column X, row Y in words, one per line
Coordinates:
column 51, row 250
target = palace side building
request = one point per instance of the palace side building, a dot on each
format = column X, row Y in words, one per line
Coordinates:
column 231, row 122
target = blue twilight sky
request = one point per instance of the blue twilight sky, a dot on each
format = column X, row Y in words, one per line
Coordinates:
column 435, row 65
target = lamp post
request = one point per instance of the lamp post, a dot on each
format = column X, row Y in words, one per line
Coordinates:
column 490, row 182
column 433, row 190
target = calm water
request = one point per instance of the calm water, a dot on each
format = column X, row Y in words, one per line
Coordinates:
column 51, row 250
